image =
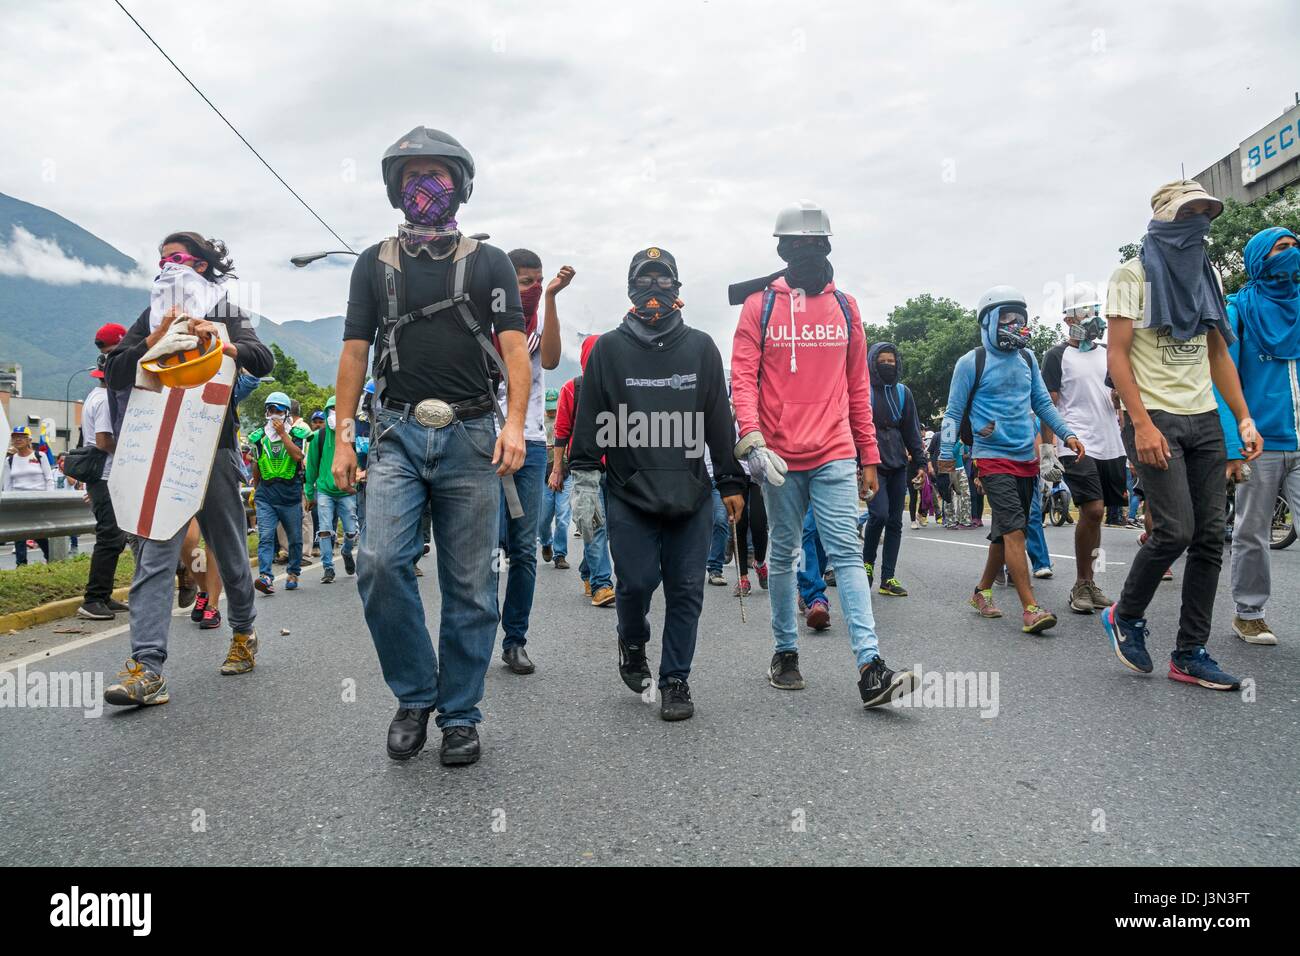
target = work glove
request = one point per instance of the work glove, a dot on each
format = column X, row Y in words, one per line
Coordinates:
column 1049, row 464
column 177, row 338
column 765, row 465
column 588, row 510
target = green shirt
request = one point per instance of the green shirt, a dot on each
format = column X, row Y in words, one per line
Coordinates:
column 320, row 466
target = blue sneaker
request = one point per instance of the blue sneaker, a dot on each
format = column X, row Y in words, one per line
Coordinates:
column 1198, row 667
column 1128, row 639
column 291, row 583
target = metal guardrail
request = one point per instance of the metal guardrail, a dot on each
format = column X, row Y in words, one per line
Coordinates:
column 54, row 514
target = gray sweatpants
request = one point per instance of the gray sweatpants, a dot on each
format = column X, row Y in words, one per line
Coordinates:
column 221, row 519
column 1271, row 474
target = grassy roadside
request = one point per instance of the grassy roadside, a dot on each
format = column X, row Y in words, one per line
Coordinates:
column 22, row 589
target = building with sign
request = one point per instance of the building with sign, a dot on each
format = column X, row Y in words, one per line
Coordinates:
column 1265, row 162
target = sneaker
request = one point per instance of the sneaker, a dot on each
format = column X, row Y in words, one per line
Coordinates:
column 305, row 562
column 1099, row 600
column 1198, row 667
column 1037, row 620
column 783, row 672
column 924, row 520
column 762, row 575
column 200, row 605
column 136, row 686
column 349, row 563
column 604, row 597
column 281, row 557
column 717, row 580
column 742, row 587
column 878, row 684
column 1254, row 631
column 982, row 601
column 586, row 587
column 977, row 522
column 547, row 553
column 675, row 700
column 950, row 526
column 315, row 551
column 633, row 667
column 211, row 619
column 1042, row 573
column 1128, row 639
column 265, row 583
column 95, row 611
column 1081, row 599
column 241, row 656
column 327, row 577
column 871, row 572
column 829, row 577
column 730, row 552
column 892, row 588
column 291, row 583
column 1000, row 579
column 818, row 616
column 560, row 563
column 915, row 525
column 1168, row 575
column 117, row 607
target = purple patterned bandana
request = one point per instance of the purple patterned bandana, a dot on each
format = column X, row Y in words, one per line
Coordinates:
column 430, row 200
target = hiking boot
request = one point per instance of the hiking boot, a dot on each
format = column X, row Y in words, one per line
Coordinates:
column 982, row 601
column 1198, row 667
column 265, row 583
column 717, row 580
column 604, row 597
column 136, row 686
column 327, row 577
column 877, row 684
column 241, row 656
column 1128, row 639
column 818, row 616
column 762, row 575
column 561, row 564
column 892, row 588
column 783, row 672
column 407, row 732
column 675, row 700
column 1254, row 631
column 633, row 667
column 742, row 588
column 211, row 620
column 349, row 563
column 586, row 587
column 1099, row 600
column 1037, row 620
column 1081, row 599
column 200, row 605
column 95, row 611
column 547, row 553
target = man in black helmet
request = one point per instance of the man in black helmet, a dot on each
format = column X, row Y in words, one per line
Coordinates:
column 429, row 300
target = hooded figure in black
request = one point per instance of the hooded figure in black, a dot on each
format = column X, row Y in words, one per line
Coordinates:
column 654, row 394
column 898, row 434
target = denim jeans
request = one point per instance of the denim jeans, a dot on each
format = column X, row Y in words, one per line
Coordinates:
column 833, row 491
column 330, row 510
column 554, row 525
column 274, row 508
column 721, row 531
column 1035, row 539
column 451, row 469
column 1272, row 473
column 885, row 513
column 520, row 536
column 1133, row 500
column 812, row 586
column 1187, row 503
column 595, row 566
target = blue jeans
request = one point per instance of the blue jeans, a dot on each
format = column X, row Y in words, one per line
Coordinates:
column 451, row 469
column 833, row 491
column 520, row 535
column 812, row 586
column 721, row 529
column 330, row 510
column 595, row 567
column 273, row 508
column 554, row 525
column 1035, row 540
column 1133, row 500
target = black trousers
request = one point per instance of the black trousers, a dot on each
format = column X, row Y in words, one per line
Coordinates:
column 648, row 550
column 109, row 542
column 885, row 515
column 753, row 521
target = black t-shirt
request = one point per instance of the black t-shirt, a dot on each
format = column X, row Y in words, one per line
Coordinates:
column 438, row 357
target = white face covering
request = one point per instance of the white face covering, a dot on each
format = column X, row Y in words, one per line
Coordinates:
column 179, row 285
column 271, row 431
column 329, row 420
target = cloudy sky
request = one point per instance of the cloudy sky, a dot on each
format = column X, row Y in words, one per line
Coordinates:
column 955, row 145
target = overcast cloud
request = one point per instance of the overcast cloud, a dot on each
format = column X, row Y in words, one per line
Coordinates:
column 955, row 145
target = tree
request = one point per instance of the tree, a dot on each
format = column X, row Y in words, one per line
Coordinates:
column 931, row 334
column 286, row 377
column 1043, row 336
column 1233, row 229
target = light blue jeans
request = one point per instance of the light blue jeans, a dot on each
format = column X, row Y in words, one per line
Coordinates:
column 554, row 529
column 451, row 468
column 1035, row 539
column 833, row 491
column 331, row 510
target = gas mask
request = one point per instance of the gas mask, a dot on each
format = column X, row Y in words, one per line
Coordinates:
column 1012, row 331
column 1087, row 329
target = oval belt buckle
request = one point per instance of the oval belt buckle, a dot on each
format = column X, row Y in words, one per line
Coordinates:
column 434, row 413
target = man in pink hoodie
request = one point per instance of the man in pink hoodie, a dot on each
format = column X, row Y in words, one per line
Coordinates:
column 803, row 408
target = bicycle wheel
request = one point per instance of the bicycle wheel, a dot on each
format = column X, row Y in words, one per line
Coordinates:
column 1283, row 532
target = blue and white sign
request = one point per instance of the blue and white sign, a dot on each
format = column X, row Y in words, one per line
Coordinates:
column 1275, row 145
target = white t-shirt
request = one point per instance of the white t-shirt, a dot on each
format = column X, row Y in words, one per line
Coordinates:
column 30, row 473
column 535, row 418
column 95, row 418
column 1079, row 378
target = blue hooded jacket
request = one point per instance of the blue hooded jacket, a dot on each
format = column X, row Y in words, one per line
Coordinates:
column 1000, row 418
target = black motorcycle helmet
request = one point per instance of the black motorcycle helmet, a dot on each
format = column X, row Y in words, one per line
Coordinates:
column 434, row 144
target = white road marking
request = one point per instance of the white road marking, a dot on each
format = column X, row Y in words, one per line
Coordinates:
column 969, row 544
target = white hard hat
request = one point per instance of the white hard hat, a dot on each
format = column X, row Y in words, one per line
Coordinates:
column 1000, row 295
column 1082, row 296
column 802, row 219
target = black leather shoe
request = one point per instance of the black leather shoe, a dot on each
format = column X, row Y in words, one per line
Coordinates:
column 517, row 660
column 459, row 746
column 407, row 732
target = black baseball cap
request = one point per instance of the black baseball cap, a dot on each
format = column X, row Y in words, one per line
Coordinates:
column 652, row 256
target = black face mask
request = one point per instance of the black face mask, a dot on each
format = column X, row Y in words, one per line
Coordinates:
column 888, row 373
column 809, row 269
column 663, row 302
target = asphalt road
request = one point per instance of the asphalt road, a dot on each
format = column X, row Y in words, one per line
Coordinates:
column 1084, row 762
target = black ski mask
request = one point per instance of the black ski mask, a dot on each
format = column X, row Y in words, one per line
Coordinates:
column 888, row 373
column 808, row 267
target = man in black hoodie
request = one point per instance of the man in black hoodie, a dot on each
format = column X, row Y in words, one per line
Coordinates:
column 898, row 433
column 653, row 395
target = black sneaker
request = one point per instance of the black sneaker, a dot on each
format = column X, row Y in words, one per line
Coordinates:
column 95, row 611
column 117, row 607
column 633, row 667
column 200, row 605
column 327, row 577
column 675, row 700
column 783, row 672
column 878, row 684
column 349, row 564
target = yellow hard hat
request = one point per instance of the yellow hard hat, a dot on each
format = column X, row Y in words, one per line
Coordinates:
column 189, row 368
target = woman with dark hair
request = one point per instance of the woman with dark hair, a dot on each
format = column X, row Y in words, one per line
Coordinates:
column 190, row 290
